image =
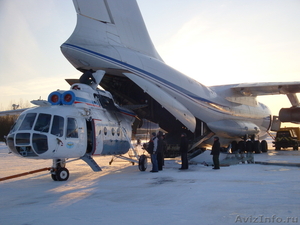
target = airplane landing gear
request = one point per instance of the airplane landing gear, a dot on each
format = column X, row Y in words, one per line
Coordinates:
column 58, row 171
column 143, row 163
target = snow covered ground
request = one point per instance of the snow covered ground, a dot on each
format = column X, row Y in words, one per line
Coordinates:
column 121, row 194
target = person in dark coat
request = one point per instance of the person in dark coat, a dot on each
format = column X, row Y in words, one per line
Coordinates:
column 152, row 149
column 160, row 149
column 87, row 77
column 183, row 151
column 215, row 152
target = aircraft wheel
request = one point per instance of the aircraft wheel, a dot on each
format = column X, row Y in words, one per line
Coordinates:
column 53, row 176
column 296, row 146
column 264, row 146
column 234, row 147
column 62, row 174
column 249, row 146
column 241, row 146
column 257, row 147
column 143, row 163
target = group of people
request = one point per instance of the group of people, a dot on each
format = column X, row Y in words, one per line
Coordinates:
column 215, row 152
column 157, row 146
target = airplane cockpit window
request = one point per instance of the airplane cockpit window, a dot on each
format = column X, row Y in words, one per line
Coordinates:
column 72, row 128
column 113, row 131
column 28, row 121
column 57, row 126
column 105, row 131
column 43, row 123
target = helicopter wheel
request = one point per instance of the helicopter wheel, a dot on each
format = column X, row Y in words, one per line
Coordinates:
column 53, row 176
column 61, row 174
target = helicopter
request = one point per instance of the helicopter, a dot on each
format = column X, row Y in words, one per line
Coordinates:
column 78, row 123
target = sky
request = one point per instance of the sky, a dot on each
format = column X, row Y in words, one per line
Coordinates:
column 215, row 42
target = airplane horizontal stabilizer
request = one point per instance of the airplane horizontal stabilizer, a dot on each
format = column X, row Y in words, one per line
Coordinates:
column 172, row 105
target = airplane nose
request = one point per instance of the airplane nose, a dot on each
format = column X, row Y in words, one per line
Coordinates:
column 27, row 144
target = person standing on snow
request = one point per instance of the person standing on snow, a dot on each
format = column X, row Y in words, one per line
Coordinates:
column 152, row 150
column 183, row 151
column 215, row 152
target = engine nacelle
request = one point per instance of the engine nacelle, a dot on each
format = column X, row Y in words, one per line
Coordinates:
column 289, row 115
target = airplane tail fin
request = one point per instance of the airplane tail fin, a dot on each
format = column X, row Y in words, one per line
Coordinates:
column 112, row 22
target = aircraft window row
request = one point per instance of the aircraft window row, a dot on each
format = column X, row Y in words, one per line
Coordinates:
column 43, row 124
column 113, row 131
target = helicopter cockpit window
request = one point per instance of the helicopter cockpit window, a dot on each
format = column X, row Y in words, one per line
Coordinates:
column 17, row 123
column 43, row 123
column 72, row 128
column 57, row 126
column 28, row 121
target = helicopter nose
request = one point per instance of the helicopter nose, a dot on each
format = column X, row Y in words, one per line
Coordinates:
column 27, row 144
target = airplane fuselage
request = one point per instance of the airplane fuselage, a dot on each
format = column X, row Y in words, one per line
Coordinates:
column 226, row 119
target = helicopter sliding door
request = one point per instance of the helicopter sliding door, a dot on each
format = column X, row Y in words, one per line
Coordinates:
column 95, row 137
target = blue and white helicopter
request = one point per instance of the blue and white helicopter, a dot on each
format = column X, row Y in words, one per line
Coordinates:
column 79, row 123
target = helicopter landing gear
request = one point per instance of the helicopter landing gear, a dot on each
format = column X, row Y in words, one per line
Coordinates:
column 58, row 171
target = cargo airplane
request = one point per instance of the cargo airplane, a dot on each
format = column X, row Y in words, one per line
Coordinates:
column 111, row 39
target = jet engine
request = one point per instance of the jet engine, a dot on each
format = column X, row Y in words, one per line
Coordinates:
column 290, row 115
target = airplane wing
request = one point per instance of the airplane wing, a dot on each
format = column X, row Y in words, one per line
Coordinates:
column 19, row 111
column 12, row 112
column 267, row 88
